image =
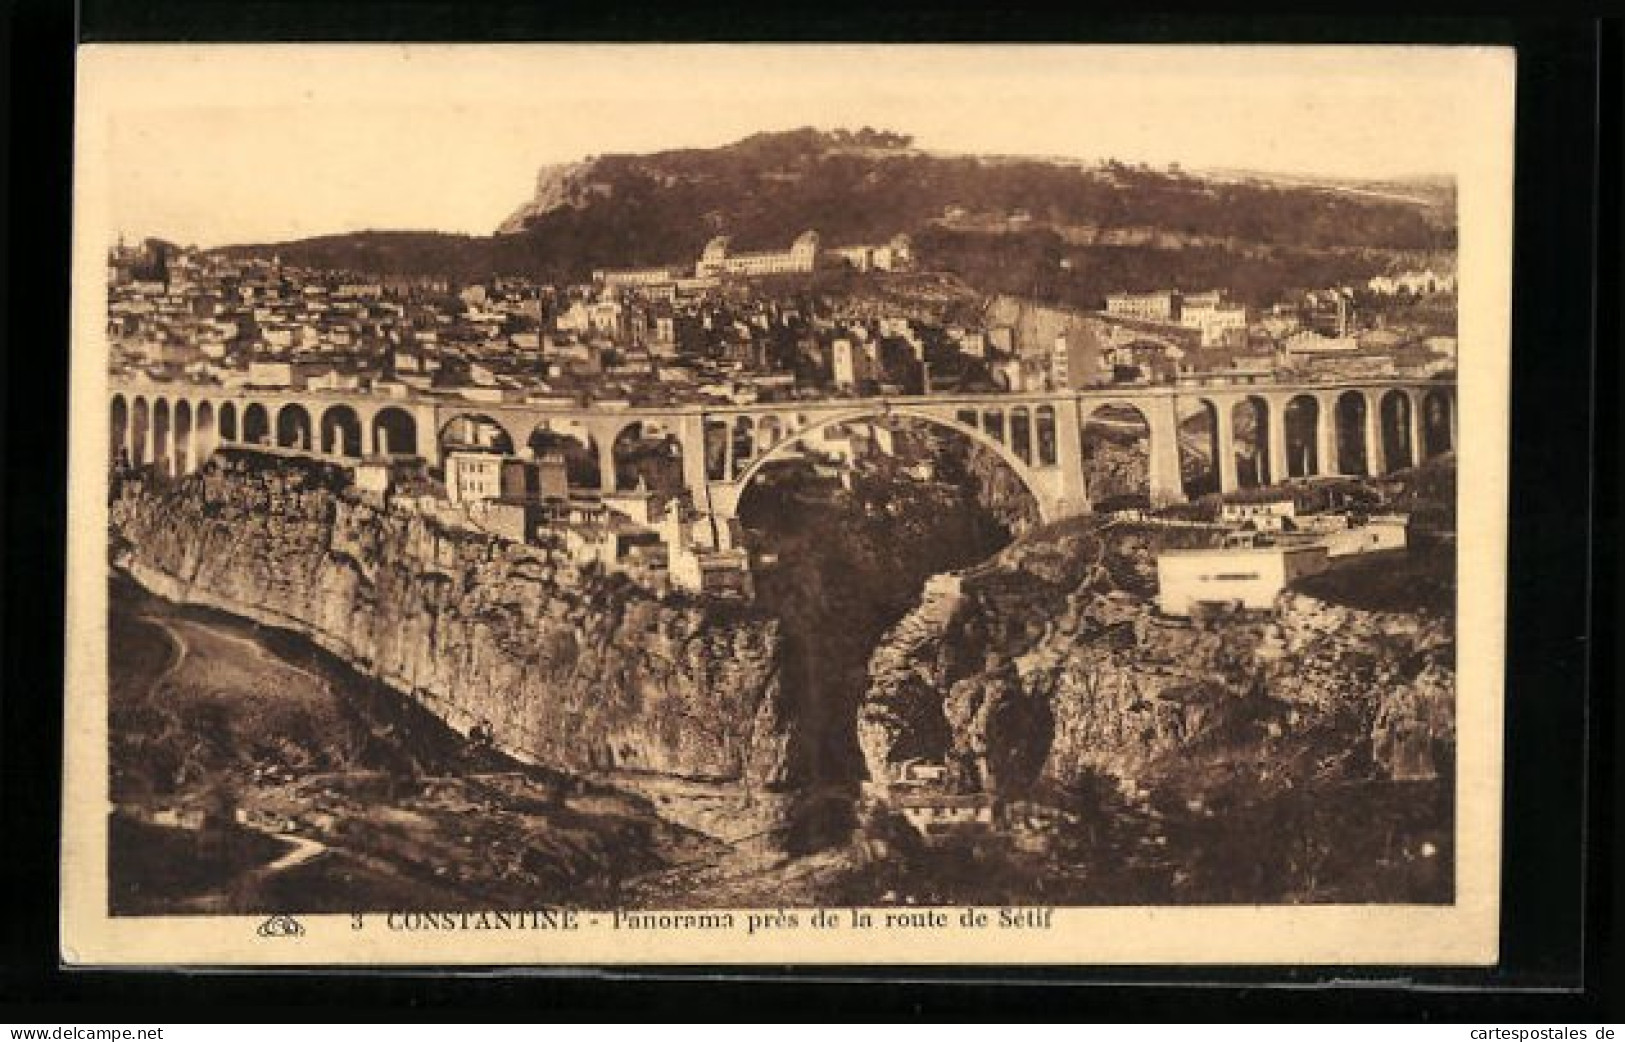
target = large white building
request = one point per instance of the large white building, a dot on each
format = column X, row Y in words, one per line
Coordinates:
column 1161, row 306
column 717, row 259
column 1217, row 320
column 1249, row 577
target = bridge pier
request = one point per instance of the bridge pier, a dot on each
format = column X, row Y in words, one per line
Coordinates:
column 1071, row 496
column 1275, row 426
column 1326, row 462
column 1418, row 434
column 1166, row 486
column 1224, row 426
column 1376, row 457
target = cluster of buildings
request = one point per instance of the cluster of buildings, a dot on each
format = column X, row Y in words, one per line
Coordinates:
column 1267, row 545
column 1424, row 283
column 1216, row 319
column 722, row 330
column 719, row 261
column 653, row 538
column 1335, row 333
column 711, row 331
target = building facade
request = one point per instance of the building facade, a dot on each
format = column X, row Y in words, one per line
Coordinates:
column 1245, row 577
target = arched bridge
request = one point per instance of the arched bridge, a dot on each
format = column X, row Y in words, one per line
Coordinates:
column 1368, row 427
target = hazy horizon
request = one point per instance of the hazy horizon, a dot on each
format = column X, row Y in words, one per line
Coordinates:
column 220, row 145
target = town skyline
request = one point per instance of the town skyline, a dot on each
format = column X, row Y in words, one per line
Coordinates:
column 334, row 140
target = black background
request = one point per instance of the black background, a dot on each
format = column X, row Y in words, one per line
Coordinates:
column 1560, row 903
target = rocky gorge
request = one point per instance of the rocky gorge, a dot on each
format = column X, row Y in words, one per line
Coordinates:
column 1046, row 677
column 578, row 672
column 1302, row 755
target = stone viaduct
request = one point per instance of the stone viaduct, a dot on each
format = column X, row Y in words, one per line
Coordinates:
column 1365, row 427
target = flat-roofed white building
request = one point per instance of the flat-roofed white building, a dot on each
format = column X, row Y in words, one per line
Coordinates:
column 1248, row 577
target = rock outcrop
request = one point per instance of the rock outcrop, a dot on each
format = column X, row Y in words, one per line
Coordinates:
column 578, row 672
column 1098, row 684
column 558, row 186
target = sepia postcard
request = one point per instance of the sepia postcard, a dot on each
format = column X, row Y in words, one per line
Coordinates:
column 669, row 504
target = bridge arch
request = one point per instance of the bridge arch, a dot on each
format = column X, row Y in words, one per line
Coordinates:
column 654, row 459
column 1250, row 421
column 1438, row 422
column 341, row 431
column 162, row 435
column 1102, row 420
column 1349, row 424
column 769, row 431
column 782, row 451
column 1199, row 440
column 1398, row 446
column 1021, row 434
column 140, row 430
column 185, row 462
column 257, row 424
column 1300, row 433
column 293, row 427
column 227, row 423
column 1045, row 434
column 394, row 432
column 583, row 456
column 742, row 447
column 207, row 434
column 473, row 430
column 714, row 444
column 119, row 430
column 993, row 425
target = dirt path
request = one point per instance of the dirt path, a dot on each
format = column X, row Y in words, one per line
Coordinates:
column 180, row 649
column 303, row 850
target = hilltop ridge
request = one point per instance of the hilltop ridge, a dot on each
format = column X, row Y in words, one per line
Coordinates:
column 1027, row 214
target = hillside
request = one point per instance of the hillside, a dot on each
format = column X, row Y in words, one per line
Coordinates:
column 869, row 185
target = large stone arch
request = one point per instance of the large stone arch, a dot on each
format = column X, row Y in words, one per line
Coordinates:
column 1202, row 450
column 583, row 455
column 119, row 431
column 185, row 452
column 256, row 424
column 651, row 458
column 1254, row 466
column 162, row 435
column 226, row 424
column 1139, row 482
column 293, row 427
column 1300, row 436
column 341, row 431
column 394, row 432
column 728, row 505
column 140, row 431
column 475, row 431
column 1438, row 422
column 1398, row 445
column 1349, row 420
column 207, row 433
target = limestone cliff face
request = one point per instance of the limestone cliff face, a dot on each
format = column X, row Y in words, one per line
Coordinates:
column 558, row 186
column 576, row 672
column 1097, row 684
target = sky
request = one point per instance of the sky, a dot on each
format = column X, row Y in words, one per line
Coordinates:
column 217, row 144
